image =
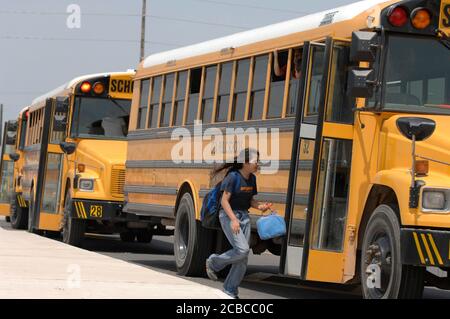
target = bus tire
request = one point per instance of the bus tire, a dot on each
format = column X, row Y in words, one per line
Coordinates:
column 73, row 229
column 8, row 219
column 19, row 215
column 192, row 243
column 383, row 276
column 144, row 236
column 127, row 236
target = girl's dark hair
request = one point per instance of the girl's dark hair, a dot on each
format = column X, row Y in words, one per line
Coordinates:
column 238, row 162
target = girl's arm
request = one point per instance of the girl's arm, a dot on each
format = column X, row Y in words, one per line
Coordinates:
column 262, row 207
column 225, row 202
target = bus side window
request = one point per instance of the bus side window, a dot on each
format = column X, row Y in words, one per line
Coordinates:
column 241, row 88
column 166, row 107
column 208, row 96
column 194, row 91
column 154, row 103
column 223, row 100
column 180, row 98
column 143, row 104
column 296, row 68
column 315, row 85
column 258, row 87
column 277, row 85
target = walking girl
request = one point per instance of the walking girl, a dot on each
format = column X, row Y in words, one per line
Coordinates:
column 238, row 191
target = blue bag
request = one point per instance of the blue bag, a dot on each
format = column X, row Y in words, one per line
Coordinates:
column 271, row 226
column 211, row 207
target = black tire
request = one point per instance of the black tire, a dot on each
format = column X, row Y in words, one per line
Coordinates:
column 73, row 229
column 192, row 243
column 19, row 215
column 8, row 219
column 127, row 236
column 144, row 236
column 381, row 249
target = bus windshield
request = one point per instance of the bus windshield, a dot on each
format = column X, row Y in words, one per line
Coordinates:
column 417, row 75
column 100, row 118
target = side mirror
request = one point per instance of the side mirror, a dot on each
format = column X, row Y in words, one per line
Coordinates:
column 14, row 156
column 68, row 148
column 364, row 46
column 418, row 128
column 361, row 83
column 62, row 105
column 59, row 123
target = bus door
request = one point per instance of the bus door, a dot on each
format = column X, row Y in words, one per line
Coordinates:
column 7, row 167
column 47, row 204
column 316, row 207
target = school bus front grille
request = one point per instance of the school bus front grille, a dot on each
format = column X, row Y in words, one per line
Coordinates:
column 117, row 181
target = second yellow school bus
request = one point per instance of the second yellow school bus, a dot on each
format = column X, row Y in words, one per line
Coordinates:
column 74, row 159
column 356, row 102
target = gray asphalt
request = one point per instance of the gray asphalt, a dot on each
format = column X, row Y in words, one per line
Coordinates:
column 262, row 280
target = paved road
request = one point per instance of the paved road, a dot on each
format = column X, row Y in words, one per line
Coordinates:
column 158, row 255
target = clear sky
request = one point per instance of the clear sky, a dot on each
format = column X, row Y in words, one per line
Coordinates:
column 38, row 52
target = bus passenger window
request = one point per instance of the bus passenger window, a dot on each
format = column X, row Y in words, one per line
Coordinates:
column 258, row 88
column 166, row 107
column 194, row 91
column 143, row 104
column 154, row 103
column 296, row 73
column 223, row 100
column 241, row 88
column 277, row 85
column 180, row 99
column 208, row 96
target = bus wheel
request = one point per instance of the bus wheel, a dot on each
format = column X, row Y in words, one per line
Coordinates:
column 8, row 219
column 192, row 242
column 383, row 276
column 19, row 216
column 127, row 236
column 144, row 236
column 73, row 229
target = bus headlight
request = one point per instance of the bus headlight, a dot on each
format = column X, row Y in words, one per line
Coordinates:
column 86, row 184
column 435, row 200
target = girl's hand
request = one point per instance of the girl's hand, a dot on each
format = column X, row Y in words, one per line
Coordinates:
column 235, row 226
column 265, row 207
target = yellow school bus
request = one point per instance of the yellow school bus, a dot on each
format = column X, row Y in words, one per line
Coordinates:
column 350, row 109
column 7, row 168
column 74, row 158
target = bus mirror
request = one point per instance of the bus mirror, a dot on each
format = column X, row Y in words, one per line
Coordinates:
column 14, row 156
column 364, row 46
column 418, row 128
column 361, row 83
column 11, row 138
column 59, row 123
column 67, row 147
column 62, row 105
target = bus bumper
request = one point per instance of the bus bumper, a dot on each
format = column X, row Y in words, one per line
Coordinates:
column 422, row 247
column 96, row 210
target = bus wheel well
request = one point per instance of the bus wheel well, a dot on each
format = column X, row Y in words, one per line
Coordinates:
column 379, row 195
column 185, row 188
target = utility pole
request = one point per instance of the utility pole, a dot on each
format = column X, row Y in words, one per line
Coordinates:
column 144, row 13
column 1, row 123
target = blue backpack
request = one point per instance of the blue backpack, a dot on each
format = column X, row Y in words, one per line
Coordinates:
column 209, row 213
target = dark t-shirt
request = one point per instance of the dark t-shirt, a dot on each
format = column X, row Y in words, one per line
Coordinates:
column 242, row 190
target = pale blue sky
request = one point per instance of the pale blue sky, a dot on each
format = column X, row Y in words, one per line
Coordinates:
column 39, row 53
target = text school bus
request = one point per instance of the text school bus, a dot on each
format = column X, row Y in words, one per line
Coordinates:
column 74, row 158
column 365, row 86
column 7, row 168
